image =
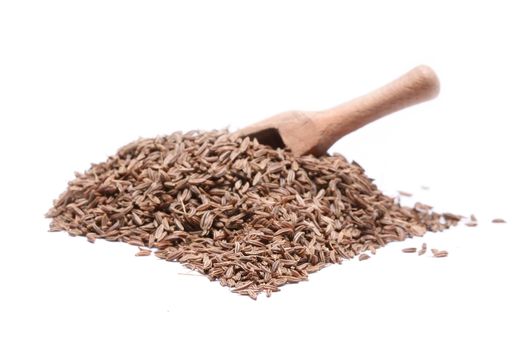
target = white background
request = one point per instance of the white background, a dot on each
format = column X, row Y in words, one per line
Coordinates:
column 78, row 79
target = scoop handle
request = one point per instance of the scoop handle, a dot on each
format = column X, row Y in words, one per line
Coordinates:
column 418, row 85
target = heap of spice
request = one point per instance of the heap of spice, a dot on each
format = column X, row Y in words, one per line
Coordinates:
column 252, row 217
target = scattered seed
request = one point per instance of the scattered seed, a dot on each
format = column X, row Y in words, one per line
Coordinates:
column 364, row 257
column 409, row 250
column 406, row 194
column 143, row 252
column 423, row 249
column 498, row 221
column 439, row 253
column 473, row 222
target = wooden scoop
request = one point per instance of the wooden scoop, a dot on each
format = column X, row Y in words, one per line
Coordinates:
column 315, row 132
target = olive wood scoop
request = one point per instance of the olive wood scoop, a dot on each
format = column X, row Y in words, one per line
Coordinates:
column 315, row 132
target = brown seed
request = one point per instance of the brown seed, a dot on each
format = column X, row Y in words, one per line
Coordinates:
column 423, row 249
column 160, row 233
column 143, row 252
column 498, row 221
column 439, row 253
column 363, row 257
column 452, row 217
column 418, row 230
column 256, row 179
column 91, row 237
column 406, row 194
column 409, row 250
column 136, row 219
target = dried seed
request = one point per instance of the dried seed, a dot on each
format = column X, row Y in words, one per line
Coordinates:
column 143, row 252
column 409, row 250
column 91, row 237
column 423, row 249
column 452, row 217
column 363, row 257
column 136, row 219
column 498, row 221
column 418, row 230
column 160, row 233
column 439, row 253
column 256, row 178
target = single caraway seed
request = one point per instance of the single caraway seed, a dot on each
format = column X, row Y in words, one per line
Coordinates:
column 364, row 257
column 498, row 221
column 473, row 221
column 409, row 250
column 251, row 217
column 91, row 237
column 423, row 249
column 143, row 252
column 406, row 194
column 439, row 253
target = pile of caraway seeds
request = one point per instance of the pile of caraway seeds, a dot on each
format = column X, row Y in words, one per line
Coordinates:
column 252, row 217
